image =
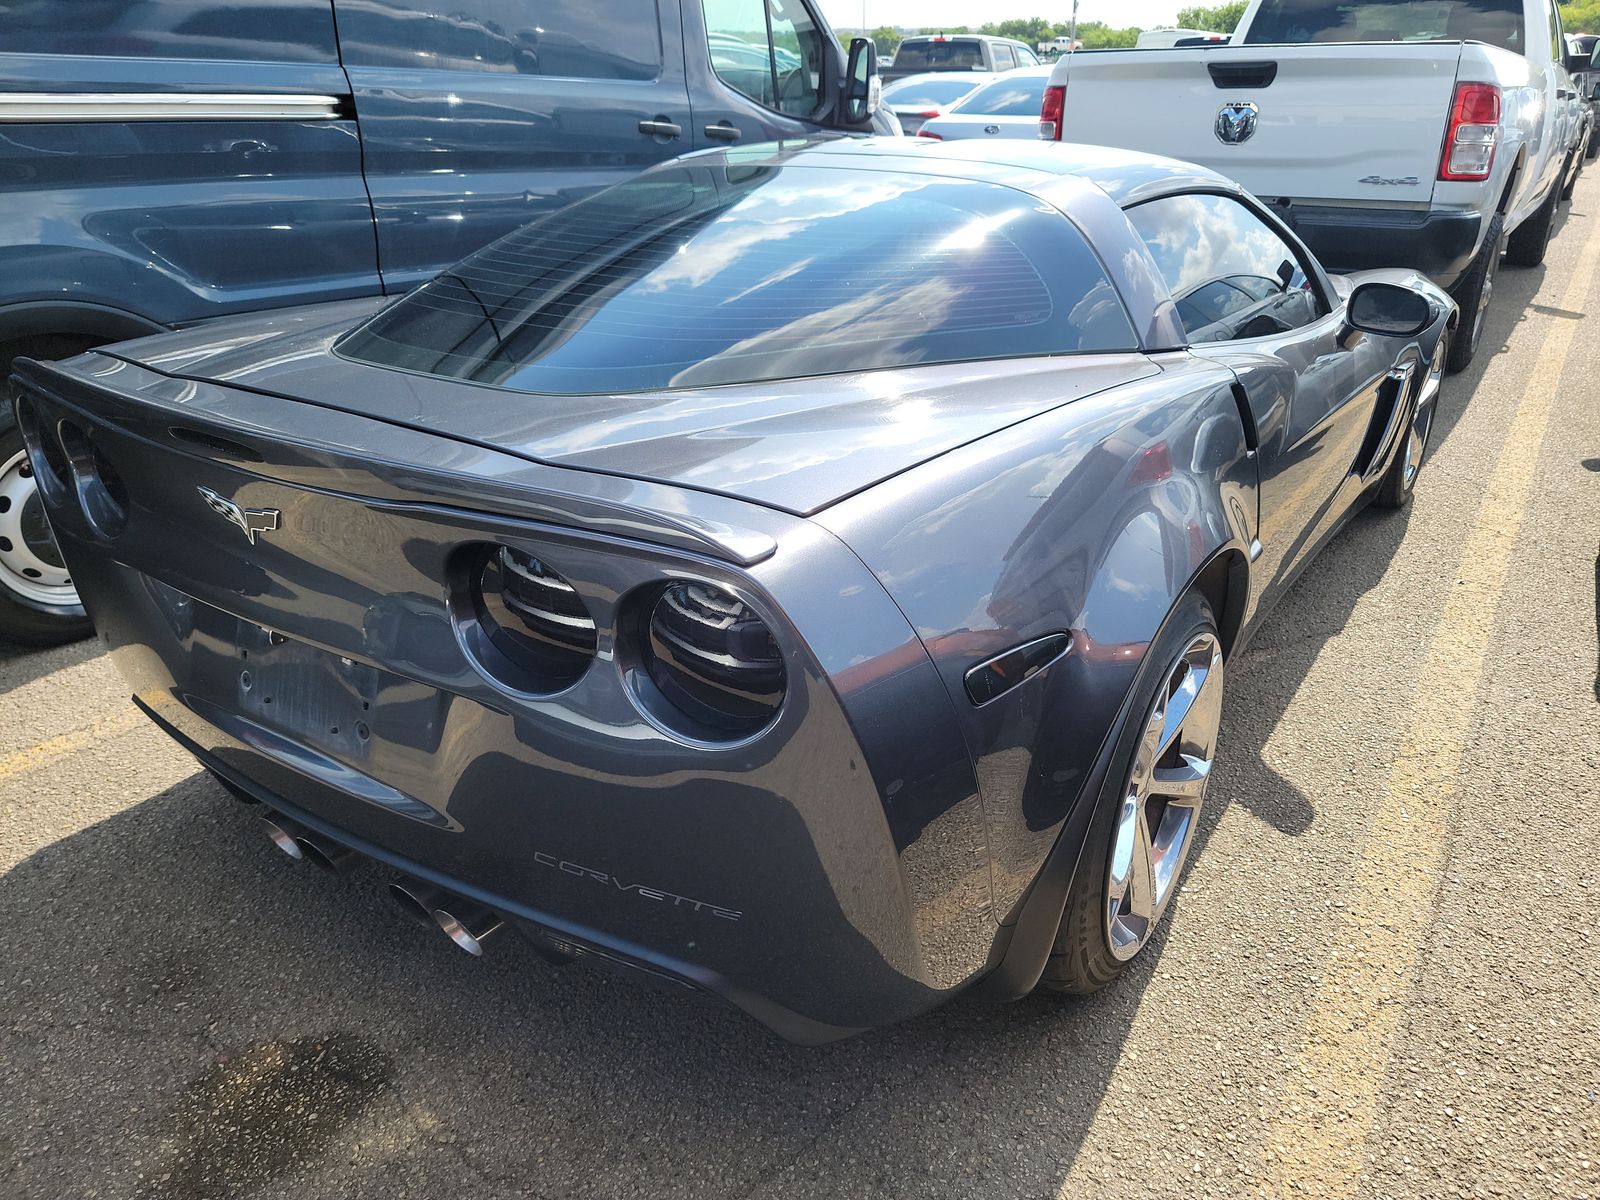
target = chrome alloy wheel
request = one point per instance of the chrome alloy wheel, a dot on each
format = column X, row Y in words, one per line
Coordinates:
column 30, row 564
column 1422, row 413
column 1160, row 810
column 1483, row 300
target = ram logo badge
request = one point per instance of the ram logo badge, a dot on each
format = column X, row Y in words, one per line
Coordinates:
column 1236, row 122
column 250, row 520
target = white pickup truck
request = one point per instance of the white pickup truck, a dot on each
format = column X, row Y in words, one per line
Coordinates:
column 1392, row 133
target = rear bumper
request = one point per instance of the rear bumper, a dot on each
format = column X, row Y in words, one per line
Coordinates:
column 1441, row 245
column 552, row 935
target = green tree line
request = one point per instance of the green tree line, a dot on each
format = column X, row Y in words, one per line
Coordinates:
column 1581, row 16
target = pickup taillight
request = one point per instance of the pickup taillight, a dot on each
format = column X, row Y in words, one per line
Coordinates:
column 1469, row 139
column 1055, row 103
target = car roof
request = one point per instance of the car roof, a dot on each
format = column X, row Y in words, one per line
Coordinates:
column 1126, row 176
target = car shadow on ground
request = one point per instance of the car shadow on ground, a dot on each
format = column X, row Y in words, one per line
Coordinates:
column 21, row 665
column 188, row 1014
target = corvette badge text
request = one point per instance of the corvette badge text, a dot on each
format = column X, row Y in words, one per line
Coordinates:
column 649, row 893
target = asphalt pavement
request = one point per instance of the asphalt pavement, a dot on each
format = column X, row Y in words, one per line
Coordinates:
column 1381, row 979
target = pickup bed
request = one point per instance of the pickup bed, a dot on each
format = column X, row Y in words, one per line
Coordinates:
column 1392, row 134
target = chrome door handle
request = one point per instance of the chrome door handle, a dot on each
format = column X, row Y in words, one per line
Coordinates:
column 661, row 127
column 722, row 131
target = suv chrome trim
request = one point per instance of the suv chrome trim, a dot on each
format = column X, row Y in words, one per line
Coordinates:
column 32, row 107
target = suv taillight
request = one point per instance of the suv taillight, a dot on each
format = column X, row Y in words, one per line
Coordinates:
column 1470, row 138
column 1055, row 102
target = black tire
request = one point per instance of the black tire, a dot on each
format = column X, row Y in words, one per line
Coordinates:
column 25, row 619
column 1574, row 169
column 1473, row 294
column 1082, row 961
column 1528, row 242
column 1400, row 480
column 1594, row 146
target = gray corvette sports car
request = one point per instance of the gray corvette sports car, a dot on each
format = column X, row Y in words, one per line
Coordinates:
column 803, row 574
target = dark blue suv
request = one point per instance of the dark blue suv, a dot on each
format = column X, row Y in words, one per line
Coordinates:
column 163, row 162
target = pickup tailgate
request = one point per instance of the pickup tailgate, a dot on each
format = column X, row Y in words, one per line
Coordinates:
column 1345, row 122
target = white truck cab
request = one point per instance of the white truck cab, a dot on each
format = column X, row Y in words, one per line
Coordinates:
column 1390, row 133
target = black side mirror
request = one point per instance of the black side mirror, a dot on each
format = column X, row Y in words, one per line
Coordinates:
column 1577, row 63
column 862, row 88
column 1388, row 310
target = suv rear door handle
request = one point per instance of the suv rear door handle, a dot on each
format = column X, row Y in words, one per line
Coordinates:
column 722, row 131
column 661, row 127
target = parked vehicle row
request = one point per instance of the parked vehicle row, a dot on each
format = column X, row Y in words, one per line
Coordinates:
column 1336, row 113
column 171, row 161
column 802, row 574
column 917, row 99
column 1005, row 107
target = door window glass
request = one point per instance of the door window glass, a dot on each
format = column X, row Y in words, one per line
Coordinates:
column 1231, row 274
column 574, row 39
column 768, row 50
column 1004, row 60
column 1026, row 57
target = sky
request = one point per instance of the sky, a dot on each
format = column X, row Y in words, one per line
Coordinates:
column 1144, row 13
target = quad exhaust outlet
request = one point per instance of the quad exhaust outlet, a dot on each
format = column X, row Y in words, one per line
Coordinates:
column 300, row 844
column 465, row 922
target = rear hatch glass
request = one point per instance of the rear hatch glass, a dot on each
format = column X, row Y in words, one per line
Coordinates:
column 950, row 54
column 732, row 273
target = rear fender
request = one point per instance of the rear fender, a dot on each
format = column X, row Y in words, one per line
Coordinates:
column 1091, row 520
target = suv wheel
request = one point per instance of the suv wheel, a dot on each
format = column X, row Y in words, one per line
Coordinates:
column 1528, row 242
column 1473, row 294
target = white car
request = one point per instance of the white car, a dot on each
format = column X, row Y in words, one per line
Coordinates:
column 917, row 99
column 1392, row 133
column 1006, row 107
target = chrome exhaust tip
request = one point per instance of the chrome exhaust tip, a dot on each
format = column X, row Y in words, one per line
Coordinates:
column 465, row 923
column 282, row 831
column 300, row 844
column 417, row 900
column 330, row 856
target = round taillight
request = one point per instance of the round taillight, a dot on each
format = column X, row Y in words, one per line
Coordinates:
column 45, row 457
column 101, row 493
column 536, row 622
column 713, row 660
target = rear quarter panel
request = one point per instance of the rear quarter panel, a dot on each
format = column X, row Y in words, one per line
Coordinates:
column 1093, row 519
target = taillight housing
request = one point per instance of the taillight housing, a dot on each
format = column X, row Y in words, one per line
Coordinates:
column 713, row 660
column 1473, row 131
column 1055, row 103
column 935, row 136
column 529, row 627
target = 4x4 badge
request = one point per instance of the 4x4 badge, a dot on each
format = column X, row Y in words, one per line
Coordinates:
column 1236, row 122
column 251, row 520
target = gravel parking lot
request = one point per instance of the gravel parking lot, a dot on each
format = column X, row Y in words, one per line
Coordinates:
column 1381, row 979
